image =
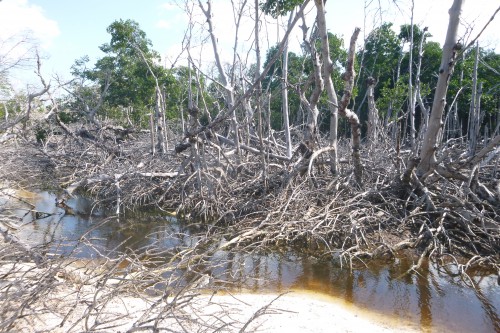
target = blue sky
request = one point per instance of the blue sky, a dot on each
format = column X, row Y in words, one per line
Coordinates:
column 67, row 30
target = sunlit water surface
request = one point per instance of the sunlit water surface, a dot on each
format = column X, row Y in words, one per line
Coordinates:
column 432, row 298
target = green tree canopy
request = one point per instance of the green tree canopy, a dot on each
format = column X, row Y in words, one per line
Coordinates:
column 129, row 67
column 277, row 8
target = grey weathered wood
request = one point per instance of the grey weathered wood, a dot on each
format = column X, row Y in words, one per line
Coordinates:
column 427, row 156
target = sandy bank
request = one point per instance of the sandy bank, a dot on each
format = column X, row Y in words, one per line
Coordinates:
column 76, row 310
column 305, row 312
column 70, row 301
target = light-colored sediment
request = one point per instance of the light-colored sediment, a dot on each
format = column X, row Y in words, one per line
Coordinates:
column 79, row 308
column 75, row 300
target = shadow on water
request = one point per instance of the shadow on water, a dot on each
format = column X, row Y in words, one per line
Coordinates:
column 431, row 297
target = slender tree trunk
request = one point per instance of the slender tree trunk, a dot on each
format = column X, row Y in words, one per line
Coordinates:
column 473, row 111
column 327, row 79
column 390, row 112
column 249, row 113
column 453, row 127
column 417, row 97
column 159, row 111
column 411, row 101
column 284, row 96
column 352, row 118
column 476, row 122
column 259, row 95
column 152, row 131
column 229, row 91
column 450, row 49
column 159, row 123
column 312, row 104
column 164, row 116
column 6, row 115
column 194, row 114
column 372, row 112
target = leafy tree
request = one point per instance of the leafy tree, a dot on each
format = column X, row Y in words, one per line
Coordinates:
column 177, row 94
column 392, row 97
column 277, row 8
column 487, row 74
column 4, row 86
column 385, row 58
column 299, row 69
column 380, row 55
column 379, row 59
column 128, row 68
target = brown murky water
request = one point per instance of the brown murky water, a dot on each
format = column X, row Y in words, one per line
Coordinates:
column 432, row 298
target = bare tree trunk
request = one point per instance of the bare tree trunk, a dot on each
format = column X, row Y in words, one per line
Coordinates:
column 31, row 97
column 453, row 128
column 353, row 119
column 229, row 91
column 450, row 48
column 473, row 110
column 327, row 79
column 159, row 111
column 7, row 110
column 411, row 101
column 164, row 117
column 152, row 133
column 259, row 96
column 159, row 123
column 475, row 121
column 284, row 96
column 418, row 97
column 312, row 104
column 249, row 113
column 200, row 89
column 390, row 111
column 372, row 112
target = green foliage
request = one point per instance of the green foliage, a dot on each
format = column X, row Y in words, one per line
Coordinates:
column 379, row 59
column 126, row 38
column 382, row 49
column 129, row 67
column 41, row 133
column 405, row 34
column 381, row 53
column 4, row 85
column 277, row 8
column 299, row 70
column 68, row 117
column 179, row 92
column 14, row 106
column 488, row 69
column 392, row 96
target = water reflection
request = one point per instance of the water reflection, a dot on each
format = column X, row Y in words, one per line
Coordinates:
column 433, row 298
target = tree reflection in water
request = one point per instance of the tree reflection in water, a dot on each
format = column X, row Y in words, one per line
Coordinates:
column 431, row 297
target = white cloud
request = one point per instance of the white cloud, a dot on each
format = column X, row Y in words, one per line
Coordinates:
column 23, row 29
column 18, row 17
column 163, row 24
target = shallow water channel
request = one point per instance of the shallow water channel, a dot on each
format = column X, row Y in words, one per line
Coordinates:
column 431, row 299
